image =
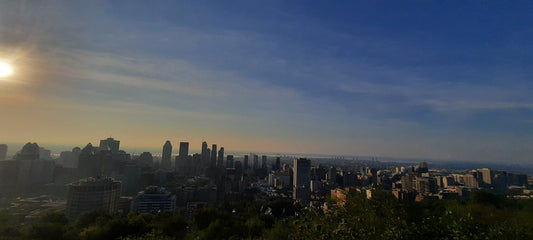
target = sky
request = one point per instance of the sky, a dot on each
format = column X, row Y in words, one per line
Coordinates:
column 424, row 79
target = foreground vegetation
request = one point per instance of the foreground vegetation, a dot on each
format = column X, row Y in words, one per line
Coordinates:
column 484, row 216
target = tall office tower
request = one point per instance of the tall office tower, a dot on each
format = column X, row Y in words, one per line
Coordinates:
column 486, row 175
column 409, row 182
column 92, row 194
column 113, row 162
column 255, row 162
column 302, row 180
column 31, row 170
column 229, row 161
column 167, row 156
column 206, row 155
column 182, row 157
column 213, row 155
column 88, row 163
column 246, row 164
column 195, row 166
column 238, row 169
column 65, row 159
column 3, row 152
column 264, row 161
column 331, row 176
column 75, row 156
column 470, row 181
column 110, row 144
column 208, row 163
column 30, row 151
column 146, row 160
column 425, row 185
column 423, row 167
column 220, row 162
column 153, row 200
column 277, row 166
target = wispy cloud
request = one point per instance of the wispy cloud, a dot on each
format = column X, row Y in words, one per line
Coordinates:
column 287, row 76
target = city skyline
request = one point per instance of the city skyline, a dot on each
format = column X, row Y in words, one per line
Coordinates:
column 425, row 81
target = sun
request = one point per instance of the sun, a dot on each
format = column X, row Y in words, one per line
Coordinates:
column 5, row 69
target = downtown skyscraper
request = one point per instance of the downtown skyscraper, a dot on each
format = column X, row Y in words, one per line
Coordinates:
column 220, row 161
column 167, row 156
column 206, row 154
column 181, row 160
column 302, row 180
column 213, row 156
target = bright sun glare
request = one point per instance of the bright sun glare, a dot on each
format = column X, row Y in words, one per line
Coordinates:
column 5, row 69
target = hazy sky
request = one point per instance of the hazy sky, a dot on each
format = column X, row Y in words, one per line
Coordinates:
column 427, row 79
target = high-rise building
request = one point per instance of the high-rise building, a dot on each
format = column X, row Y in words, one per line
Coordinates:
column 277, row 166
column 331, row 175
column 447, row 181
column 92, row 194
column 246, row 165
column 167, row 156
column 208, row 163
column 302, row 180
column 213, row 155
column 486, row 176
column 425, row 185
column 184, row 149
column 3, row 152
column 30, row 151
column 422, row 167
column 238, row 169
column 146, row 160
column 111, row 162
column 206, row 155
column 88, row 163
column 220, row 162
column 30, row 169
column 153, row 200
column 470, row 181
column 182, row 157
column 229, row 161
column 409, row 183
column 195, row 166
column 264, row 161
column 255, row 162
column 69, row 159
column 110, row 144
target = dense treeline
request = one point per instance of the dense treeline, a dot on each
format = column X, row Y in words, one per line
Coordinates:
column 484, row 216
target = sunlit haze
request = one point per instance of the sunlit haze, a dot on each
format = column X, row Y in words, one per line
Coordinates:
column 5, row 69
column 431, row 80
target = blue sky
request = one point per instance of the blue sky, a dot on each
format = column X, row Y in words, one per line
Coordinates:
column 446, row 80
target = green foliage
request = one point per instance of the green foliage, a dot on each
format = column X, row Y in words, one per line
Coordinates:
column 54, row 217
column 153, row 235
column 239, row 219
column 172, row 225
column 485, row 216
column 9, row 226
column 51, row 225
column 133, row 224
column 90, row 218
column 489, row 198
